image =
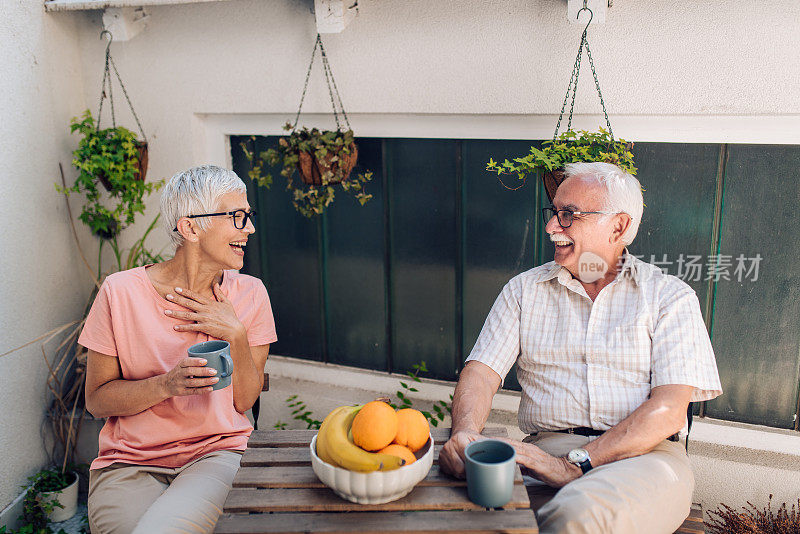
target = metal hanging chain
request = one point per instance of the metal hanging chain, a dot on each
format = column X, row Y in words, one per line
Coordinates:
column 573, row 80
column 329, row 80
column 575, row 85
column 305, row 86
column 103, row 96
column 107, row 81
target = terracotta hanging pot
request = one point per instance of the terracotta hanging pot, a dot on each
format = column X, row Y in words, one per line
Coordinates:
column 312, row 168
column 551, row 182
column 141, row 167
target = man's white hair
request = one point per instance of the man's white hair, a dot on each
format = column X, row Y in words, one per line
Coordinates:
column 623, row 191
column 193, row 192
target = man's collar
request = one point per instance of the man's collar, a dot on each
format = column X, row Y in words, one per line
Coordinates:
column 628, row 266
column 627, row 261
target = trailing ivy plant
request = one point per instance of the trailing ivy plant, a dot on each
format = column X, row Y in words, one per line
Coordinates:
column 111, row 154
column 330, row 149
column 569, row 147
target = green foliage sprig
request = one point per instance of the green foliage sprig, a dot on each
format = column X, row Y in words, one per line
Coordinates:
column 439, row 407
column 113, row 154
column 34, row 508
column 569, row 147
column 300, row 412
column 325, row 146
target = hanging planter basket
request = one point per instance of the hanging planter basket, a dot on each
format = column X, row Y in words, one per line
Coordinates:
column 570, row 146
column 337, row 166
column 107, row 92
column 141, row 167
column 322, row 158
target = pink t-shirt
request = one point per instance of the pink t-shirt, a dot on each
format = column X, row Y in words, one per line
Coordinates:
column 127, row 321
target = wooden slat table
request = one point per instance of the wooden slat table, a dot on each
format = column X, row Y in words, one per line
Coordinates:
column 276, row 491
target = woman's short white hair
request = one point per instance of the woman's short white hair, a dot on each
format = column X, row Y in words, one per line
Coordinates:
column 623, row 191
column 193, row 192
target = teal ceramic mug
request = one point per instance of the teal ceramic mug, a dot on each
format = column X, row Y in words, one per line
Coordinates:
column 490, row 466
column 217, row 354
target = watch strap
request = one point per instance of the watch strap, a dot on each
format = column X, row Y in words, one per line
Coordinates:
column 585, row 465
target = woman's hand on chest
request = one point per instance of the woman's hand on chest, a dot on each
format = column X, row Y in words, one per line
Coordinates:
column 215, row 317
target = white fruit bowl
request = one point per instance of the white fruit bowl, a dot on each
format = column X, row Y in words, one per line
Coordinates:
column 376, row 487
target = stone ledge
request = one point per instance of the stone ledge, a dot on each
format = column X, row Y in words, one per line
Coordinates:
column 746, row 444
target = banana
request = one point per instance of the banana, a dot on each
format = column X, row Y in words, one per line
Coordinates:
column 322, row 439
column 346, row 453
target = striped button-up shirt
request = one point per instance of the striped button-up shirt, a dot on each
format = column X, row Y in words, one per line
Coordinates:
column 590, row 364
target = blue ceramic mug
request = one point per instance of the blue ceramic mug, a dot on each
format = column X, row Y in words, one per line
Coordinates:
column 217, row 354
column 490, row 466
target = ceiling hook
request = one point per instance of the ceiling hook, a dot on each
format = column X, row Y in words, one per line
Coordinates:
column 591, row 15
column 110, row 35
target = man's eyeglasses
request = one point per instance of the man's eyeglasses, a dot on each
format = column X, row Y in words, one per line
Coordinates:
column 566, row 217
column 239, row 217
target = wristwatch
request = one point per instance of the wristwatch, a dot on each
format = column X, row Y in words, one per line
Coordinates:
column 580, row 458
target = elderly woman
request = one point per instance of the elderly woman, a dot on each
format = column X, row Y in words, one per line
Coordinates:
column 171, row 445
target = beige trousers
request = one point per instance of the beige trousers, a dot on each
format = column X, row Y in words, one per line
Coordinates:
column 126, row 498
column 650, row 493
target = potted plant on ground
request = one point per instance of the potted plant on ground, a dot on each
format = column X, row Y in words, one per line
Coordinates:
column 569, row 147
column 54, row 493
column 322, row 158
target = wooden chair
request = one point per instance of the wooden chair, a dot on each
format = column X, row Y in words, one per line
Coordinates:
column 257, row 405
column 539, row 495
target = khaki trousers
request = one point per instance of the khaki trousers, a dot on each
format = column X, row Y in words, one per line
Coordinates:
column 126, row 498
column 650, row 493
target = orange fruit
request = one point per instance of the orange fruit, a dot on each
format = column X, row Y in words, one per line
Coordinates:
column 412, row 429
column 374, row 426
column 400, row 452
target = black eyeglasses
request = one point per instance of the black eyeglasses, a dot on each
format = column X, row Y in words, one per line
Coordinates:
column 566, row 217
column 239, row 217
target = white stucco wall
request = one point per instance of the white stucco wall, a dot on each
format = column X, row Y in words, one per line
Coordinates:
column 691, row 71
column 42, row 282
column 680, row 71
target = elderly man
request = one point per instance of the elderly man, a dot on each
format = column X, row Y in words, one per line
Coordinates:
column 610, row 352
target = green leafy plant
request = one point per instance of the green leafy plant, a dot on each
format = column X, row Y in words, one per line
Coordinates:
column 35, row 509
column 300, row 412
column 324, row 160
column 437, row 414
column 110, row 156
column 569, row 147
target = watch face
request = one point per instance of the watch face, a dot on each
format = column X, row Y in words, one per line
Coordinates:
column 576, row 456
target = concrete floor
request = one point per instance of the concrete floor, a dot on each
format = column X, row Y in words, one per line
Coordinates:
column 322, row 398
